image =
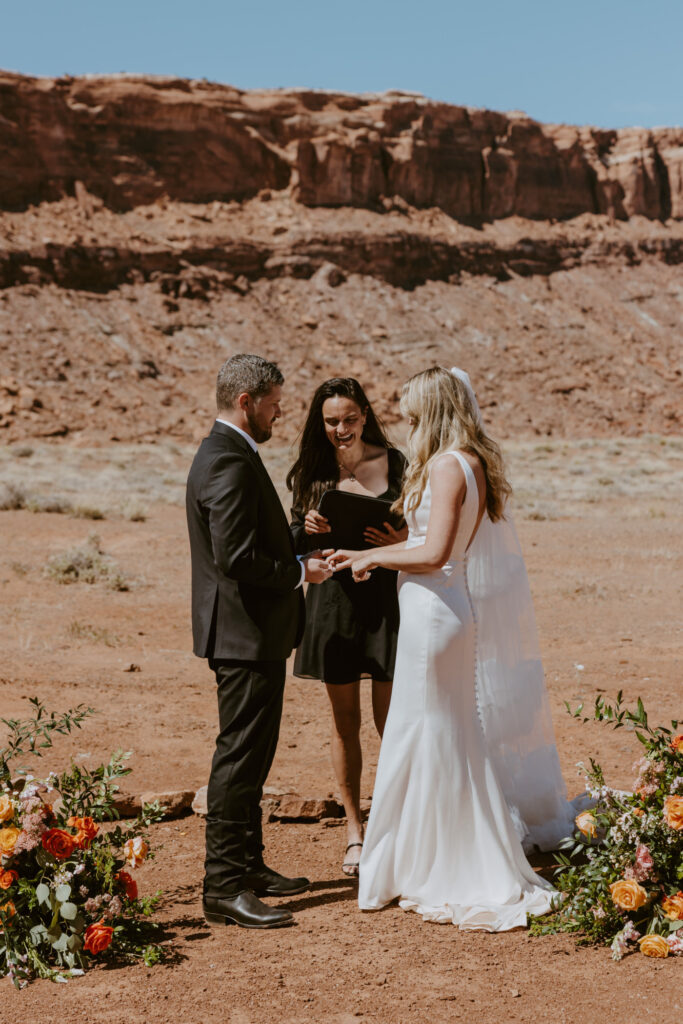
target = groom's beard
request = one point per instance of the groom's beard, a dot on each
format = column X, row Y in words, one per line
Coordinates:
column 259, row 431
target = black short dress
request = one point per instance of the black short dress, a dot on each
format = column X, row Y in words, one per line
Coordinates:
column 351, row 628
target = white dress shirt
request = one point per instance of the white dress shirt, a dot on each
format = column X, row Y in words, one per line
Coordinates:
column 254, row 447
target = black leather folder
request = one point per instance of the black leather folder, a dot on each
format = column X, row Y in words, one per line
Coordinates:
column 349, row 515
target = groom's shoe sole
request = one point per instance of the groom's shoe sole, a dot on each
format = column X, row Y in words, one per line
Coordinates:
column 221, row 920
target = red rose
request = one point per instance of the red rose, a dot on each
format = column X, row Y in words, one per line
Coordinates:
column 97, row 937
column 129, row 884
column 59, row 843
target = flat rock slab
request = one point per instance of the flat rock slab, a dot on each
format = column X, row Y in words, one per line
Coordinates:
column 285, row 806
column 175, row 802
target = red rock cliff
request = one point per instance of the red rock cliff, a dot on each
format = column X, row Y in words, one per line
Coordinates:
column 132, row 139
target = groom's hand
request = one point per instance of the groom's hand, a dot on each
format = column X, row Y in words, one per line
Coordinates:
column 317, row 570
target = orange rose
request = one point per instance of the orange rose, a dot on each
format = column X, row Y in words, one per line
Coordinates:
column 9, row 910
column 638, row 811
column 86, row 826
column 59, row 843
column 673, row 812
column 6, row 807
column 7, row 878
column 672, row 906
column 135, row 851
column 8, row 839
column 586, row 824
column 677, row 743
column 627, row 894
column 97, row 937
column 654, row 945
column 129, row 884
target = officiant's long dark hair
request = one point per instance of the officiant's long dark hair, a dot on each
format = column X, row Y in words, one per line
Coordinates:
column 316, row 470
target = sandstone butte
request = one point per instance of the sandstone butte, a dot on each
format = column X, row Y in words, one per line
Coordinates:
column 132, row 139
column 149, row 227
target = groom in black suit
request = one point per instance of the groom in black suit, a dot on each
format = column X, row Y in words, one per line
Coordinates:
column 247, row 615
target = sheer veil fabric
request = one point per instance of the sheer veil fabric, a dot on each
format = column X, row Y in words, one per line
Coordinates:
column 511, row 694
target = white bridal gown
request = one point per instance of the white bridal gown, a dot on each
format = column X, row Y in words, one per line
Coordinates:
column 441, row 836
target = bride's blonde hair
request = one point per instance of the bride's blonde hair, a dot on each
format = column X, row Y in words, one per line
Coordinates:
column 443, row 416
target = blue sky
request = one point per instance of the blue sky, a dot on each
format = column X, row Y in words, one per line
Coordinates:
column 596, row 62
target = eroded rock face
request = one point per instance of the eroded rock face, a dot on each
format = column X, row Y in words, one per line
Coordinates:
column 130, row 140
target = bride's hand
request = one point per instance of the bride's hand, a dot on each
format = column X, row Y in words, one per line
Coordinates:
column 380, row 538
column 360, row 563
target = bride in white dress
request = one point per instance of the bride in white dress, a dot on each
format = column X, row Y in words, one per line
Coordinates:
column 468, row 765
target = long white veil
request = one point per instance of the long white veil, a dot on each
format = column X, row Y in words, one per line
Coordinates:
column 511, row 692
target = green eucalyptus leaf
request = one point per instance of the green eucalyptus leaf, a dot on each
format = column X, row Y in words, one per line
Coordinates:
column 68, row 911
column 38, row 934
column 43, row 893
column 59, row 944
column 62, row 892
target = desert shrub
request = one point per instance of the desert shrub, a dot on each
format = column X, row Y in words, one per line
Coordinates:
column 12, row 497
column 86, row 564
column 48, row 503
column 88, row 512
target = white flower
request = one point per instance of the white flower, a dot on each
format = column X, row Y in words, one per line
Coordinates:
column 579, row 668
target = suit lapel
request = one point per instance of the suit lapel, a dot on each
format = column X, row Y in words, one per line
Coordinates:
column 234, row 439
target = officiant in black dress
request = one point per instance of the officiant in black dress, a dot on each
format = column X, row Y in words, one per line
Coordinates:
column 351, row 631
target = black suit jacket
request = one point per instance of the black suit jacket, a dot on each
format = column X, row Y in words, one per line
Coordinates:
column 246, row 603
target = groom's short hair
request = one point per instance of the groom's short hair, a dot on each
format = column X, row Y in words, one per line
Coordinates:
column 245, row 372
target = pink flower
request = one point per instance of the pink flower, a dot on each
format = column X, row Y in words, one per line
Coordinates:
column 644, row 863
column 675, row 941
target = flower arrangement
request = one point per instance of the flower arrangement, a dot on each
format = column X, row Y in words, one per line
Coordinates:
column 620, row 879
column 67, row 897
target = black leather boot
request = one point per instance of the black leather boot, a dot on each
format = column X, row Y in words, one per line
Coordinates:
column 244, row 909
column 263, row 881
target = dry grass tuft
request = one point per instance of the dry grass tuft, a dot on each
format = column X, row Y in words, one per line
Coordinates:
column 87, row 564
column 93, row 634
column 134, row 512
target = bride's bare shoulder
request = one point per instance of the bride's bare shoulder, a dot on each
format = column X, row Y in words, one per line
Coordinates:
column 447, row 470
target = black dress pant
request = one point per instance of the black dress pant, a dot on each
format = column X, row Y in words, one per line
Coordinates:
column 249, row 709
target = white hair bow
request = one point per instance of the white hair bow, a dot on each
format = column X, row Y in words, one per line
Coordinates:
column 464, row 376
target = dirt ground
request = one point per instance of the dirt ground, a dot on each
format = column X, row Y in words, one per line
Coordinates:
column 600, row 526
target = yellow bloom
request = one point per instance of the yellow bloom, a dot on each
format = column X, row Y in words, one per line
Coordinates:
column 654, row 945
column 6, row 807
column 585, row 822
column 673, row 906
column 673, row 812
column 8, row 839
column 677, row 743
column 627, row 894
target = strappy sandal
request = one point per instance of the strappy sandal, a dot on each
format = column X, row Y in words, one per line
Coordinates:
column 352, row 866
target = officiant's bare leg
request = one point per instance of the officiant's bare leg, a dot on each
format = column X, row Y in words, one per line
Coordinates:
column 347, row 761
column 381, row 698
